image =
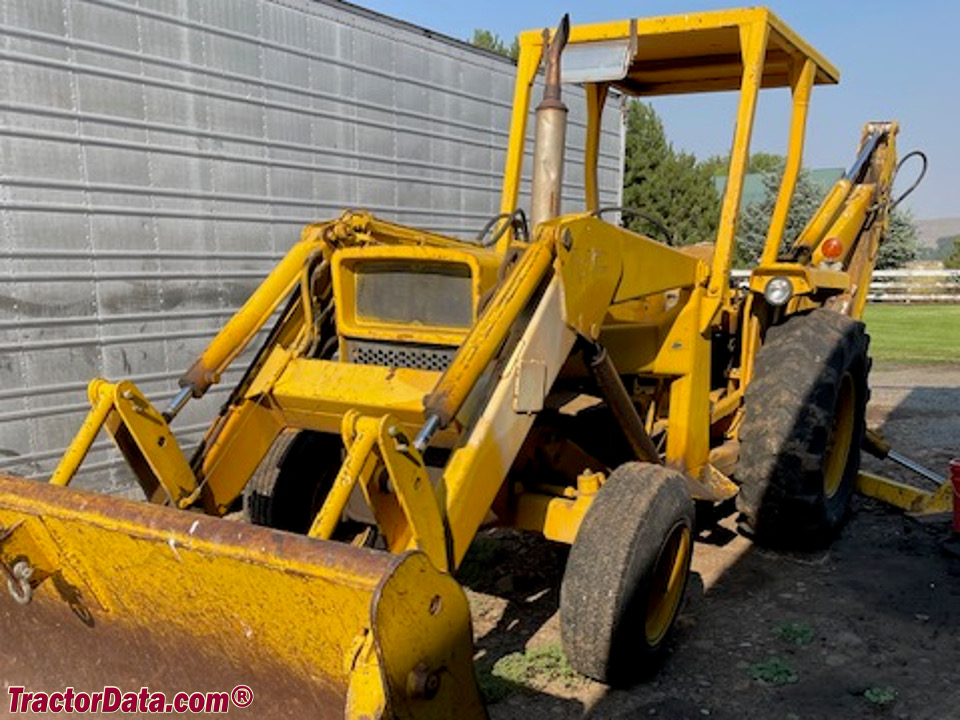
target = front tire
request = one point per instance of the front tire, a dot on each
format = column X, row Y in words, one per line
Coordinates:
column 804, row 420
column 289, row 486
column 626, row 574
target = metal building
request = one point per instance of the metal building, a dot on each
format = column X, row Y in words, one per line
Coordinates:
column 157, row 156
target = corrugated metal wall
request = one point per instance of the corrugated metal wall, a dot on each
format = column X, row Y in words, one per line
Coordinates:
column 157, row 156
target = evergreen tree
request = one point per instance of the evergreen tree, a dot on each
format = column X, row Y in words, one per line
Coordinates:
column 755, row 218
column 667, row 185
column 492, row 42
column 899, row 245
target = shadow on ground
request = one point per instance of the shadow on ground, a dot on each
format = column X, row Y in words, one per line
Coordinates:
column 869, row 628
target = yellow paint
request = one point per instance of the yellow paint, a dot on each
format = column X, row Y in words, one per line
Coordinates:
column 805, row 278
column 531, row 50
column 753, row 47
column 849, row 222
column 478, row 466
column 686, row 348
column 408, row 514
column 667, row 583
column 485, row 338
column 603, row 266
column 750, row 342
column 596, row 98
column 142, row 435
column 840, row 442
column 614, row 287
column 356, row 469
column 374, row 626
column 347, row 263
column 907, row 497
column 241, row 328
column 816, row 228
column 422, row 525
column 314, row 394
column 801, row 86
column 861, row 267
column 558, row 518
column 666, row 51
column 283, row 604
column 101, row 398
column 235, row 446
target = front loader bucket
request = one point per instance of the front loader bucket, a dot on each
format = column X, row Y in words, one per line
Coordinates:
column 106, row 592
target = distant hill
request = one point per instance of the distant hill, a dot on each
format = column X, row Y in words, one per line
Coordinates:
column 932, row 231
column 940, row 250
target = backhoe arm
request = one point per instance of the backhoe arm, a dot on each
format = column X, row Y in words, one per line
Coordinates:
column 831, row 261
column 847, row 229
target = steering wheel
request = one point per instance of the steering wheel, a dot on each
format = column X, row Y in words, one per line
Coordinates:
column 668, row 237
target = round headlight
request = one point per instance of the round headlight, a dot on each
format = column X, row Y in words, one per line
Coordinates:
column 778, row 291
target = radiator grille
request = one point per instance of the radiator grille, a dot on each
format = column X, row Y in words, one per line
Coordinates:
column 419, row 357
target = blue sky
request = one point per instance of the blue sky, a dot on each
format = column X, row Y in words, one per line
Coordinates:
column 898, row 60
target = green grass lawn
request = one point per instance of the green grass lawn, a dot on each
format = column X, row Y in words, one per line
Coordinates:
column 914, row 333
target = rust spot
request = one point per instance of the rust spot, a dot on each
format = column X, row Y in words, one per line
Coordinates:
column 44, row 652
column 65, row 638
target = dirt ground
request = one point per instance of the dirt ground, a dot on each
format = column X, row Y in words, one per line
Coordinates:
column 867, row 629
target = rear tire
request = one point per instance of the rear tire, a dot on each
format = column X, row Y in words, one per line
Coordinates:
column 803, row 424
column 626, row 574
column 293, row 479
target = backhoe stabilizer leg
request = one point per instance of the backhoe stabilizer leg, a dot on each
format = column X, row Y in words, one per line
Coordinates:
column 907, row 497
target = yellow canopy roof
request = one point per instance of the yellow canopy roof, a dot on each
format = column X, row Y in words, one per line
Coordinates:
column 700, row 52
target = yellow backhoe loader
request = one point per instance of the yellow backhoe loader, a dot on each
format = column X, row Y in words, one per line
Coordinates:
column 562, row 375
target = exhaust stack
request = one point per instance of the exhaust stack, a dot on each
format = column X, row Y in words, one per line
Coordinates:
column 551, row 133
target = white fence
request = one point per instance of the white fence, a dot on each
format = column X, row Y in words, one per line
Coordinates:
column 914, row 285
column 924, row 285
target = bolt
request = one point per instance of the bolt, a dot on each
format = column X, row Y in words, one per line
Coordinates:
column 401, row 444
column 422, row 683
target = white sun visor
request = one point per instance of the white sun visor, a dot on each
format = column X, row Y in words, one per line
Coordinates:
column 601, row 61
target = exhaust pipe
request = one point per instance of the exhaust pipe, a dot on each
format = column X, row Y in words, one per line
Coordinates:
column 551, row 133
